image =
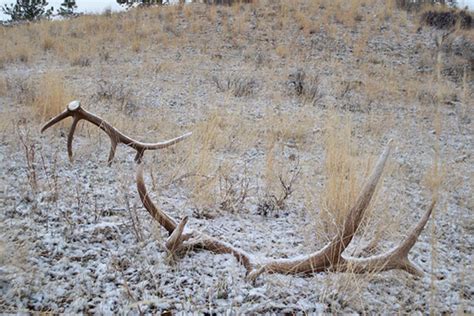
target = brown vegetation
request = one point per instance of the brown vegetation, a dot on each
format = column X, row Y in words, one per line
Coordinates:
column 288, row 102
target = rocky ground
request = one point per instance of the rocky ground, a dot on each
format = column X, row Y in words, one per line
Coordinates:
column 263, row 88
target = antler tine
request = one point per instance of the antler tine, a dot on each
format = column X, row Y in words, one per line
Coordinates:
column 397, row 258
column 113, row 147
column 74, row 109
column 175, row 241
column 70, row 137
column 56, row 119
column 356, row 214
column 410, row 240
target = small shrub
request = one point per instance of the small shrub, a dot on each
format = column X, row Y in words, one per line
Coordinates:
column 272, row 202
column 22, row 90
column 30, row 150
column 20, row 52
column 78, row 59
column 308, row 89
column 233, row 190
column 238, row 86
column 48, row 43
column 447, row 19
column 411, row 5
column 116, row 92
column 281, row 172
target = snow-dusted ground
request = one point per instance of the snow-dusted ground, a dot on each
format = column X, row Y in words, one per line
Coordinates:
column 82, row 252
column 77, row 239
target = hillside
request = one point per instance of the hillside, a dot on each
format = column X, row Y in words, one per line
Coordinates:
column 290, row 103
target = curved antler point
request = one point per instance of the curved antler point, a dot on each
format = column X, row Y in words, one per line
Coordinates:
column 56, row 119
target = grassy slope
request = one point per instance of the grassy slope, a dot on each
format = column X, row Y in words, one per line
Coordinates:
column 229, row 74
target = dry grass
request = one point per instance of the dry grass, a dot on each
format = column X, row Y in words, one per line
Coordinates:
column 52, row 95
column 3, row 87
column 250, row 133
column 344, row 173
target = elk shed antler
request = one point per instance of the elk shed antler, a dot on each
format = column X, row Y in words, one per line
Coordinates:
column 329, row 258
column 75, row 110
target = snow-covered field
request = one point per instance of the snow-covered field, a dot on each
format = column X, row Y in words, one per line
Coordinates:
column 75, row 237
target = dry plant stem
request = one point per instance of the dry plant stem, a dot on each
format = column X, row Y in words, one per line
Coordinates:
column 74, row 109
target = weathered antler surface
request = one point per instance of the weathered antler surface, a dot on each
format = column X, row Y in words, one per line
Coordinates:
column 77, row 113
column 329, row 258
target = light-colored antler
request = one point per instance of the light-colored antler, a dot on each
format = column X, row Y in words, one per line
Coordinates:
column 77, row 113
column 329, row 258
column 397, row 258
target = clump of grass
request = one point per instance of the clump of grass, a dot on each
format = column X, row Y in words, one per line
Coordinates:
column 47, row 43
column 21, row 52
column 305, row 87
column 22, row 90
column 79, row 59
column 3, row 86
column 203, row 162
column 347, row 12
column 238, row 86
column 52, row 95
column 435, row 176
column 282, row 51
column 343, row 178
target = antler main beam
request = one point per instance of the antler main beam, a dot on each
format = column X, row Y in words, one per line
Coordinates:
column 75, row 110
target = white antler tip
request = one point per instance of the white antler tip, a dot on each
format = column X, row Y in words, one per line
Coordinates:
column 74, row 105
